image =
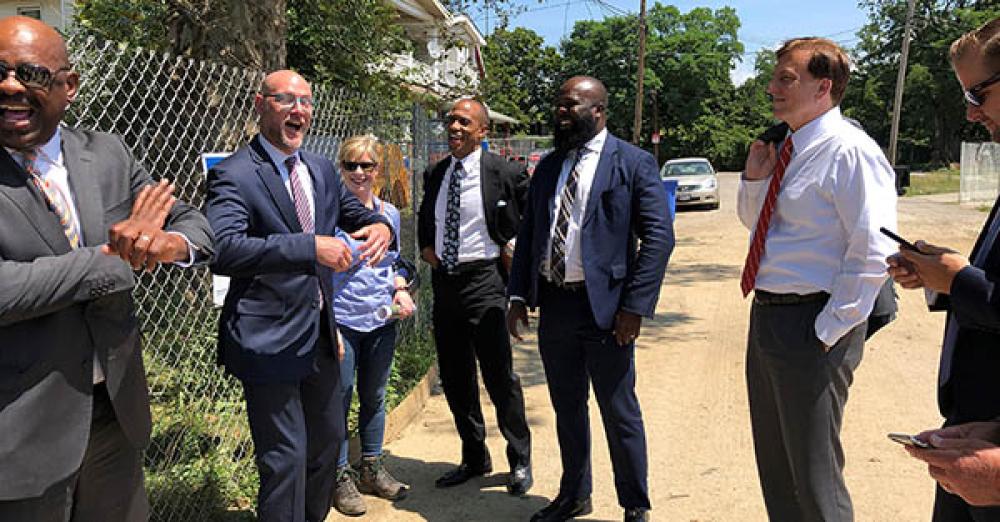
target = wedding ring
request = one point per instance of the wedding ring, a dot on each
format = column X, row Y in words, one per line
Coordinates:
column 144, row 237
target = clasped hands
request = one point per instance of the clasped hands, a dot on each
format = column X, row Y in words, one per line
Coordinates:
column 336, row 254
column 140, row 240
column 933, row 267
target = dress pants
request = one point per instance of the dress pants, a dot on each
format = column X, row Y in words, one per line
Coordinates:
column 797, row 394
column 576, row 353
column 108, row 487
column 297, row 429
column 470, row 324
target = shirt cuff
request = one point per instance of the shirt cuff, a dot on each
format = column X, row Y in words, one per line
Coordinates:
column 191, row 251
column 517, row 299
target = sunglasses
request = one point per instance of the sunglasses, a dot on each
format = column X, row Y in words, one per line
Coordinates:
column 287, row 100
column 974, row 95
column 351, row 166
column 31, row 75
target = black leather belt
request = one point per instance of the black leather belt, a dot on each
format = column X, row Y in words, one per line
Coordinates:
column 571, row 286
column 769, row 298
column 469, row 266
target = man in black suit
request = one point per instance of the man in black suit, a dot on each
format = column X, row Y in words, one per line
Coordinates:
column 77, row 211
column 968, row 382
column 593, row 246
column 471, row 208
column 274, row 209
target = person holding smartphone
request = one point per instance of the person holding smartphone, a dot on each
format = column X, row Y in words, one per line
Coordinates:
column 368, row 338
column 968, row 387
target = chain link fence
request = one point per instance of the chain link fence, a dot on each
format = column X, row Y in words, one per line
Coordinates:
column 170, row 110
column 980, row 179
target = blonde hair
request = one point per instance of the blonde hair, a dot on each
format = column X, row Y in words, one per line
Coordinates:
column 985, row 39
column 357, row 146
column 828, row 60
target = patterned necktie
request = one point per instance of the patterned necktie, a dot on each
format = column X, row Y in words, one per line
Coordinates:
column 752, row 264
column 567, row 200
column 53, row 198
column 302, row 209
column 453, row 218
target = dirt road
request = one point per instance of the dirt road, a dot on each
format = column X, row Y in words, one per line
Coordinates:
column 690, row 363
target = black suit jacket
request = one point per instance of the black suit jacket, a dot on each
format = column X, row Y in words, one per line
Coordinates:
column 972, row 390
column 58, row 306
column 505, row 189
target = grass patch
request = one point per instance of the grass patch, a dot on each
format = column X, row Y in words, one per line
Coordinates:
column 935, row 182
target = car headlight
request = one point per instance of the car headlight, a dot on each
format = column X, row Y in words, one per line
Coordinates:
column 709, row 184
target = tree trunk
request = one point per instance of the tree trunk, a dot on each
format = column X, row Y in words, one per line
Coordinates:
column 234, row 32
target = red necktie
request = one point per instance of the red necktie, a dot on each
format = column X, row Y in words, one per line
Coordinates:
column 752, row 264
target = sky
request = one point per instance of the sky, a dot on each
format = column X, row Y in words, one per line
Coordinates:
column 765, row 23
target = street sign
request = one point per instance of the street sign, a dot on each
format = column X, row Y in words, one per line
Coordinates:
column 656, row 138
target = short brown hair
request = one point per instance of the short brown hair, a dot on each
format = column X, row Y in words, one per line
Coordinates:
column 986, row 39
column 828, row 60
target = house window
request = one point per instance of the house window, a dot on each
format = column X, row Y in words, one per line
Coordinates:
column 31, row 11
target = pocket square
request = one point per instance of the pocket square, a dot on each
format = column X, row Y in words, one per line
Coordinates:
column 501, row 203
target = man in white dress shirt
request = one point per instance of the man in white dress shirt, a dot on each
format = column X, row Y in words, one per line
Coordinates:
column 814, row 204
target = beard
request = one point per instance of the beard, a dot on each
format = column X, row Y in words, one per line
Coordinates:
column 583, row 129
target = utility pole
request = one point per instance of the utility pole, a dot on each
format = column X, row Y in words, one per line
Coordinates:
column 656, row 127
column 897, row 104
column 637, row 125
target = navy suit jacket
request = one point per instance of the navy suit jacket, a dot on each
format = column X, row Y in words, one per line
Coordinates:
column 269, row 324
column 974, row 304
column 627, row 203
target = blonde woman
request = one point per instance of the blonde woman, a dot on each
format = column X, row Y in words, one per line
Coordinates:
column 361, row 297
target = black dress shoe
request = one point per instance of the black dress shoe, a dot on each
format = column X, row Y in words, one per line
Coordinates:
column 564, row 509
column 520, row 480
column 461, row 474
column 636, row 515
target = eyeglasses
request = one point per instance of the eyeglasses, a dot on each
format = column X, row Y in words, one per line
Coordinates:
column 351, row 166
column 974, row 95
column 31, row 75
column 288, row 100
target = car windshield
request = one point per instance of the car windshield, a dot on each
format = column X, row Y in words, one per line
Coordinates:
column 689, row 168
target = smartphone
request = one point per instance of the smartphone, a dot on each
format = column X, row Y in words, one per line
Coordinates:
column 909, row 440
column 902, row 242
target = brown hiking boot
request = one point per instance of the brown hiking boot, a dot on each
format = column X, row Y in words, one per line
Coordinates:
column 346, row 497
column 375, row 480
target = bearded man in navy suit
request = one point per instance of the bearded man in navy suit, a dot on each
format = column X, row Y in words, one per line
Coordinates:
column 579, row 259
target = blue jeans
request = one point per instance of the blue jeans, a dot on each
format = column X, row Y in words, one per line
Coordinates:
column 370, row 355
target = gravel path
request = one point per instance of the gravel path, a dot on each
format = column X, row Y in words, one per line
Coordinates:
column 691, row 384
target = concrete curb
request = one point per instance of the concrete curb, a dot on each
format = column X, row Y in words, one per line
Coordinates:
column 403, row 414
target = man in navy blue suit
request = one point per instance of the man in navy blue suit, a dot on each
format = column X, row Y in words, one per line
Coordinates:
column 594, row 243
column 274, row 209
column 966, row 462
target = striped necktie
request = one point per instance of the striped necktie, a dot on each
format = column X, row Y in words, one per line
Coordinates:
column 53, row 198
column 302, row 210
column 567, row 200
column 752, row 264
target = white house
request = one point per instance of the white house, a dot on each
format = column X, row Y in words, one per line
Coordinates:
column 57, row 13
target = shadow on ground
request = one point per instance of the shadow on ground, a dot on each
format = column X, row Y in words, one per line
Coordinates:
column 480, row 499
column 690, row 274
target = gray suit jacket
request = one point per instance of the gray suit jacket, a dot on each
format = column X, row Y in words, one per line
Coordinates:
column 58, row 305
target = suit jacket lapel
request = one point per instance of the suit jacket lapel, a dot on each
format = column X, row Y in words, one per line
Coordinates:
column 489, row 186
column 319, row 181
column 602, row 177
column 271, row 178
column 15, row 185
column 550, row 181
column 86, row 191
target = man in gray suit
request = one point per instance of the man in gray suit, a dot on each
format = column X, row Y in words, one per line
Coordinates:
column 78, row 213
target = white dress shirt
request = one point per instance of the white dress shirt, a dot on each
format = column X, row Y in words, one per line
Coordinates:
column 475, row 243
column 838, row 189
column 279, row 158
column 589, row 154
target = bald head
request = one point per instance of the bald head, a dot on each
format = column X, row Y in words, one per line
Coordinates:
column 589, row 88
column 35, row 34
column 285, row 106
column 477, row 109
column 34, row 99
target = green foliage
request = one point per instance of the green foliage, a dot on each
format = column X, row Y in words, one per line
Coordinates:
column 521, row 76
